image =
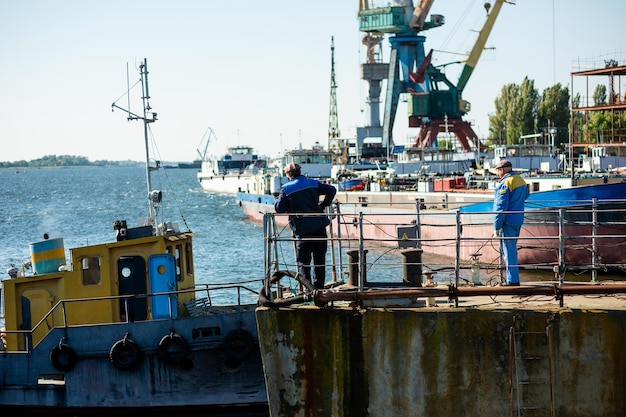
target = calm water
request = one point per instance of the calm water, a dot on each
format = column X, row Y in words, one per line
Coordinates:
column 80, row 205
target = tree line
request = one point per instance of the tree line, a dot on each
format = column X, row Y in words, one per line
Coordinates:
column 61, row 161
column 520, row 110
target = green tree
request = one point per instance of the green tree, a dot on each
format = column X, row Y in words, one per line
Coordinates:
column 498, row 120
column 525, row 121
column 600, row 122
column 61, row 161
column 579, row 119
column 599, row 95
column 520, row 110
column 516, row 113
column 554, row 112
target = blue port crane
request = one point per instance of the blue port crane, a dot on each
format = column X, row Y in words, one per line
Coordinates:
column 433, row 101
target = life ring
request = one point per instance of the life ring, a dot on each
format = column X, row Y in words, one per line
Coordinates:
column 124, row 353
column 63, row 357
column 173, row 348
column 238, row 344
column 264, row 299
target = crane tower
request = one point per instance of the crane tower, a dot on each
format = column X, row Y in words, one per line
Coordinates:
column 432, row 100
column 374, row 71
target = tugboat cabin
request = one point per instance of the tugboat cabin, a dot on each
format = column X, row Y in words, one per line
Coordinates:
column 104, row 283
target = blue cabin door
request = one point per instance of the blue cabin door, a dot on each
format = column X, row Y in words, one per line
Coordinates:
column 162, row 278
column 131, row 272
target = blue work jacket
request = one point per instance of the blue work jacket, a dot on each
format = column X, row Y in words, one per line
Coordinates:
column 302, row 195
column 510, row 194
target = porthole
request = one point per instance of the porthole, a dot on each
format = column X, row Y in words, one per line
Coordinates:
column 126, row 272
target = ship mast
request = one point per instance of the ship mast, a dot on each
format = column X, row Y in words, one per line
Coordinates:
column 154, row 196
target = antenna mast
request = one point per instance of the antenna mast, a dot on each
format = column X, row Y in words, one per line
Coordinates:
column 154, row 196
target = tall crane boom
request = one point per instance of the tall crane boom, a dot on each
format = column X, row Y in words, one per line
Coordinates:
column 479, row 46
column 419, row 14
column 442, row 104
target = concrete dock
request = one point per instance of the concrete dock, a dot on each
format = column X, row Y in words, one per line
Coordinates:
column 476, row 355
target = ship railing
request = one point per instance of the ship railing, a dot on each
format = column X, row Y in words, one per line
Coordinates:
column 573, row 240
column 209, row 299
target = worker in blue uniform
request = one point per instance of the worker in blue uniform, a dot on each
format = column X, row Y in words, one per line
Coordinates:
column 301, row 197
column 508, row 206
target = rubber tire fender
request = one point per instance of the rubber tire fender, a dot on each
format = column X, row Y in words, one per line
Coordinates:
column 124, row 354
column 63, row 357
column 173, row 348
column 238, row 344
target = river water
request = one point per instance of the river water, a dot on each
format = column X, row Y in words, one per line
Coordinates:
column 81, row 204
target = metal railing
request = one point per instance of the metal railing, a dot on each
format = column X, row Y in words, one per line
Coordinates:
column 203, row 292
column 583, row 239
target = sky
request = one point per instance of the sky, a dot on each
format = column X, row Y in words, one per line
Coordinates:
column 256, row 72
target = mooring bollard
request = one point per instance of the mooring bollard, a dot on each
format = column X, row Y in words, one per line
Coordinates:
column 430, row 283
column 412, row 266
column 353, row 267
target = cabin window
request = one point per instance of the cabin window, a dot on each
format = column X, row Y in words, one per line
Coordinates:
column 188, row 257
column 177, row 254
column 206, row 332
column 91, row 270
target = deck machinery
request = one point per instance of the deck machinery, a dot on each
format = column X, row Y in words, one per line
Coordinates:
column 433, row 101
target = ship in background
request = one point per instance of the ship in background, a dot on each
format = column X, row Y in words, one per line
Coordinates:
column 195, row 164
column 230, row 172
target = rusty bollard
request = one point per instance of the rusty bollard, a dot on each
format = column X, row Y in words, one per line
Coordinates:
column 412, row 266
column 353, row 267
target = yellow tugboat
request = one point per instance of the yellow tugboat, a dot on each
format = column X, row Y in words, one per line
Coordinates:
column 124, row 326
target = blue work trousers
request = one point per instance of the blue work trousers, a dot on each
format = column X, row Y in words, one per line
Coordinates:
column 313, row 246
column 509, row 252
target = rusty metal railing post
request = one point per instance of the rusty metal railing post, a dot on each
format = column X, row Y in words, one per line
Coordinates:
column 361, row 254
column 329, row 212
column 339, row 242
column 457, row 261
column 594, row 241
column 418, row 223
column 561, row 267
column 268, row 234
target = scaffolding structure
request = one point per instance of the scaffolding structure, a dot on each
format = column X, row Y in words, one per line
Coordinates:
column 585, row 136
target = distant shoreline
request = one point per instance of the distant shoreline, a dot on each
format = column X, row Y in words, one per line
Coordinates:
column 110, row 165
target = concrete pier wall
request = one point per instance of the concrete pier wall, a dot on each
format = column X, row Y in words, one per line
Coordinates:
column 441, row 362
